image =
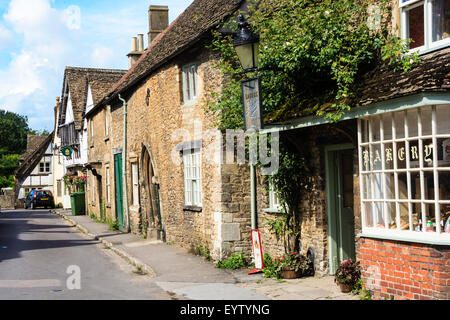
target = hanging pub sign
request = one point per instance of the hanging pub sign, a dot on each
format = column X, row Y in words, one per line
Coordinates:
column 257, row 252
column 67, row 151
column 251, row 101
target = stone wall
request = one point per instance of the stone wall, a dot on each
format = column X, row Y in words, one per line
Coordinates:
column 7, row 202
column 314, row 229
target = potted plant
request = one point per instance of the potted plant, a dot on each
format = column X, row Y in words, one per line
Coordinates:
column 292, row 265
column 76, row 185
column 347, row 275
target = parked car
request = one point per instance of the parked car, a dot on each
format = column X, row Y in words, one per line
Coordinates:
column 39, row 198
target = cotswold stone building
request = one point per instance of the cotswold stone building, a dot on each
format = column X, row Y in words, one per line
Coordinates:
column 160, row 181
column 379, row 186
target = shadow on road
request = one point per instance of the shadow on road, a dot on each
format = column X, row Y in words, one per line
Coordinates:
column 34, row 230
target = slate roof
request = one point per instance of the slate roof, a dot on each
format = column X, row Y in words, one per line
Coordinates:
column 189, row 28
column 36, row 147
column 78, row 79
column 432, row 74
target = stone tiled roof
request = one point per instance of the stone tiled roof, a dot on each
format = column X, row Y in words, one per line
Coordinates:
column 190, row 27
column 432, row 74
column 33, row 143
column 78, row 79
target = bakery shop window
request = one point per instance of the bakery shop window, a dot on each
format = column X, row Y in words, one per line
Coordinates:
column 425, row 22
column 404, row 161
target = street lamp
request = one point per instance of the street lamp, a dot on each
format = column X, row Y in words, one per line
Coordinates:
column 246, row 45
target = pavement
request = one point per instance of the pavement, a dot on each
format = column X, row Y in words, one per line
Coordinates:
column 187, row 276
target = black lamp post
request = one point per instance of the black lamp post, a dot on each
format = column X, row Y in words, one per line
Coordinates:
column 246, row 45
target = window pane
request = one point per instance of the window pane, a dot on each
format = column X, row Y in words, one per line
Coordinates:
column 377, row 188
column 376, row 157
column 375, row 123
column 399, row 124
column 415, row 188
column 413, row 154
column 404, row 215
column 425, row 114
column 365, row 154
column 390, row 215
column 429, row 185
column 444, row 188
column 401, row 155
column 390, row 186
column 388, row 156
column 368, row 216
column 367, row 190
column 412, row 123
column 402, row 186
column 441, row 19
column 427, row 153
column 430, row 223
column 364, row 131
column 443, row 119
column 387, row 126
column 443, row 149
column 415, row 26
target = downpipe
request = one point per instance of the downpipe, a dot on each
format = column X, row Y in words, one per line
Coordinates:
column 124, row 161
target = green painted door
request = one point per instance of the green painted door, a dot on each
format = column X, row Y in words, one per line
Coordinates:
column 340, row 206
column 119, row 189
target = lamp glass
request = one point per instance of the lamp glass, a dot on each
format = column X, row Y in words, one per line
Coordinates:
column 248, row 55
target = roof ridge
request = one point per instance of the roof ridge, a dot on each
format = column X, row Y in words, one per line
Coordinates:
column 95, row 69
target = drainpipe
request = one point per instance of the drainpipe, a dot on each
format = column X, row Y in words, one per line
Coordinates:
column 124, row 161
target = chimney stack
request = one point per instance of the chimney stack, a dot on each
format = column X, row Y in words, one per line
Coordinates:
column 137, row 49
column 158, row 17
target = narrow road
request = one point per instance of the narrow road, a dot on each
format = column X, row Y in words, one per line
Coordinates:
column 43, row 258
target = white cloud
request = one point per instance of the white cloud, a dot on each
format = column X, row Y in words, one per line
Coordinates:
column 72, row 17
column 5, row 36
column 102, row 56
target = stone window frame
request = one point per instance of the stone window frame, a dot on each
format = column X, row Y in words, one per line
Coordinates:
column 192, row 172
column 274, row 201
column 106, row 122
column 190, row 83
column 380, row 144
column 429, row 45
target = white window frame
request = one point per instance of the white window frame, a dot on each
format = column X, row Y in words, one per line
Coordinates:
column 190, row 83
column 429, row 45
column 45, row 166
column 436, row 237
column 106, row 122
column 108, row 186
column 192, row 166
column 274, row 200
column 135, row 183
column 93, row 188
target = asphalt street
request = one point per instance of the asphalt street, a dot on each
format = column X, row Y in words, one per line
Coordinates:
column 43, row 258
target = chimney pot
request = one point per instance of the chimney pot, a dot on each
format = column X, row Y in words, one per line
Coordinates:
column 140, row 42
column 133, row 44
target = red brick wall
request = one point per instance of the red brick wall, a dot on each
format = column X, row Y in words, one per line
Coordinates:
column 405, row 270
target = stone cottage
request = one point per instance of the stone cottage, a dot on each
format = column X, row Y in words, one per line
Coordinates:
column 161, row 182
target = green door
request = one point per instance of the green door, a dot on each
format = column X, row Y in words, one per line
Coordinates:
column 339, row 160
column 119, row 189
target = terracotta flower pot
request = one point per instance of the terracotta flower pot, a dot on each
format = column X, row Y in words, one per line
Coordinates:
column 345, row 287
column 287, row 273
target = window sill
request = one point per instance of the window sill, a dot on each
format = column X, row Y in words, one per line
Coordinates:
column 192, row 208
column 408, row 236
column 273, row 210
column 423, row 51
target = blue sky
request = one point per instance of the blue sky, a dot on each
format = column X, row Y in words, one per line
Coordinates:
column 38, row 38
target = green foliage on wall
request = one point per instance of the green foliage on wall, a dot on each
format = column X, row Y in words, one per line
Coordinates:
column 312, row 55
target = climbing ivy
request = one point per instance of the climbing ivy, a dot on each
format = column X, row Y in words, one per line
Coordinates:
column 312, row 55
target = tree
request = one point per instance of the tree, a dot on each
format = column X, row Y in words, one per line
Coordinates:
column 13, row 132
